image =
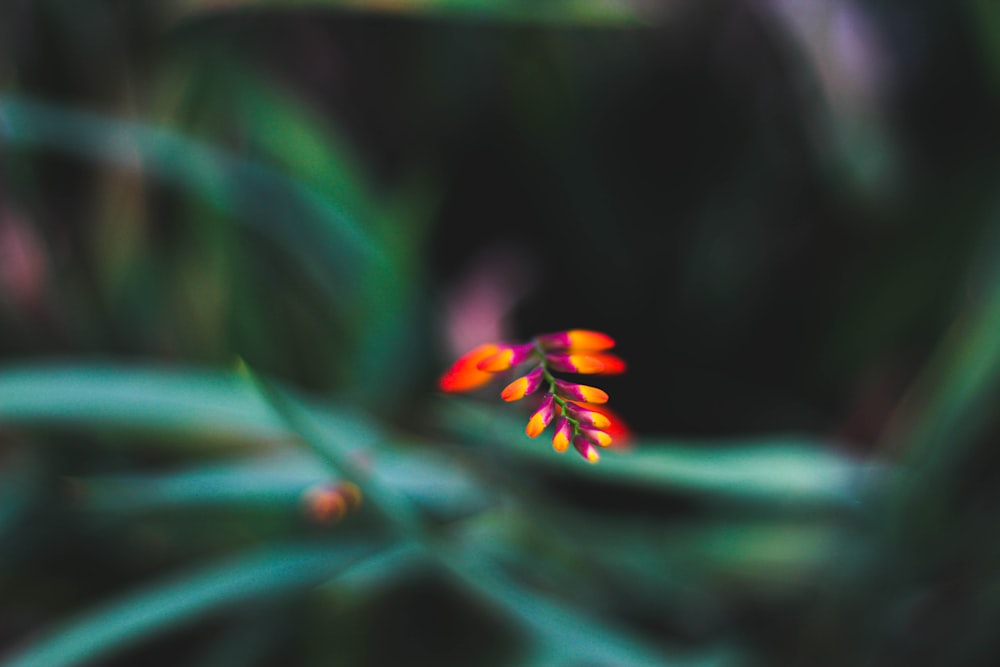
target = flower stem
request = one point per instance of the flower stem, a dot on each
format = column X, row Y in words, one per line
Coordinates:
column 560, row 401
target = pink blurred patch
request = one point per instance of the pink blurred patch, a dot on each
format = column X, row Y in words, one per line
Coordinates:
column 477, row 309
column 22, row 263
column 847, row 50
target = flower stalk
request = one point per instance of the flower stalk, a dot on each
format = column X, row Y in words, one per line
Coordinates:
column 574, row 407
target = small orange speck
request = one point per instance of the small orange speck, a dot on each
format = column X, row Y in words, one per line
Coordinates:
column 329, row 503
column 324, row 504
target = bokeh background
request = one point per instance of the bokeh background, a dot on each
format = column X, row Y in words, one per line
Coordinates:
column 239, row 241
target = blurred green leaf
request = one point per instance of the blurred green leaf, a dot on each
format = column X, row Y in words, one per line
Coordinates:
column 165, row 605
column 311, row 227
column 277, row 479
column 777, row 468
column 985, row 19
column 209, row 404
column 225, row 407
column 305, row 145
column 596, row 12
column 953, row 401
column 20, row 482
column 578, row 636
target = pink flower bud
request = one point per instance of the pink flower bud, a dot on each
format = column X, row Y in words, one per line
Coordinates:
column 523, row 386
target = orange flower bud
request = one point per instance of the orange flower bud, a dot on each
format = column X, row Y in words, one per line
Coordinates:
column 464, row 375
column 577, row 340
column 575, row 363
column 505, row 358
column 564, row 431
column 541, row 418
column 589, row 417
column 523, row 386
column 581, row 392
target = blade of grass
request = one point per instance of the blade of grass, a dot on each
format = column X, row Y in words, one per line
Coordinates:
column 156, row 609
column 776, row 468
column 279, row 479
column 209, row 404
column 952, row 401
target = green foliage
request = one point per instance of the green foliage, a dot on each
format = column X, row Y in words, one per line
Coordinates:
column 234, row 240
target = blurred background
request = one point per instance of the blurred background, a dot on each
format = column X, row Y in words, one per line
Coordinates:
column 239, row 242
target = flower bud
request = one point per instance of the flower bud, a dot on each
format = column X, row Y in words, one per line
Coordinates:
column 577, row 340
column 596, row 436
column 564, row 432
column 588, row 417
column 580, row 392
column 505, row 358
column 542, row 417
column 523, row 386
column 586, row 449
column 575, row 363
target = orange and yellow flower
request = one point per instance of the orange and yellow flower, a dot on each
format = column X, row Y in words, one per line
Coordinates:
column 582, row 419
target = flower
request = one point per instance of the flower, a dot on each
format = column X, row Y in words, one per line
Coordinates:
column 581, row 419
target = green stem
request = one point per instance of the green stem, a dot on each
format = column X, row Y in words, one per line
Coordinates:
column 560, row 401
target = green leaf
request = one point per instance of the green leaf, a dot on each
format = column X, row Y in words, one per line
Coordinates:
column 953, row 401
column 277, row 479
column 165, row 605
column 577, row 636
column 209, row 404
column 310, row 226
column 775, row 468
